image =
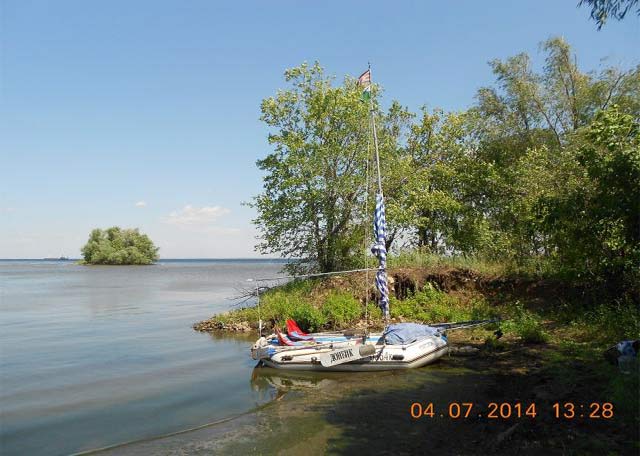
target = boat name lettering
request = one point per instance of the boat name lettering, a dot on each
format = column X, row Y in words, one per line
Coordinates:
column 341, row 355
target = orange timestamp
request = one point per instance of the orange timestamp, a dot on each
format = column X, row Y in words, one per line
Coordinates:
column 509, row 410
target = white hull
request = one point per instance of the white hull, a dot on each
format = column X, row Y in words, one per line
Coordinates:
column 386, row 357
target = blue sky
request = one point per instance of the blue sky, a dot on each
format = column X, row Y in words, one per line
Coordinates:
column 146, row 113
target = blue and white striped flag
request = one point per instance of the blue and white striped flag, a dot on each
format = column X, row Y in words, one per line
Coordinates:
column 379, row 249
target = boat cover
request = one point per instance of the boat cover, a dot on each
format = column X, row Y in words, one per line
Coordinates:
column 407, row 333
column 628, row 347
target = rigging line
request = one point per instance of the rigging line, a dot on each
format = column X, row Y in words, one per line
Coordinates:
column 375, row 133
column 366, row 231
column 171, row 434
column 259, row 315
column 318, row 274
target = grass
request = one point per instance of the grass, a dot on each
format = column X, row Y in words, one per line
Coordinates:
column 305, row 302
column 525, row 324
column 529, row 268
column 605, row 322
column 623, row 390
column 330, row 304
column 314, row 306
column 419, row 259
column 431, row 305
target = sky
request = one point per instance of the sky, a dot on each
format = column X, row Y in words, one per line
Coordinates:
column 146, row 113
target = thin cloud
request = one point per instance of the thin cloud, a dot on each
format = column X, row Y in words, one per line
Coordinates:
column 196, row 216
column 141, row 204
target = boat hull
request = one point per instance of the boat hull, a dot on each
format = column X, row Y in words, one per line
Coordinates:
column 386, row 357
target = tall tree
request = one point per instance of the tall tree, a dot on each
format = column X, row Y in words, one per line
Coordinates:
column 523, row 128
column 311, row 206
column 595, row 221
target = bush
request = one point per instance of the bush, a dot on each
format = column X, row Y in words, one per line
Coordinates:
column 526, row 325
column 613, row 322
column 116, row 246
column 431, row 305
column 341, row 308
column 291, row 301
column 308, row 317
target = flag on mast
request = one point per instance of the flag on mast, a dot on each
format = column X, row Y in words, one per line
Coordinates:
column 365, row 81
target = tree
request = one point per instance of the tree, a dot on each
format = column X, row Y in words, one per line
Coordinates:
column 311, row 206
column 116, row 246
column 543, row 165
column 524, row 128
column 396, row 169
column 601, row 10
column 438, row 181
column 595, row 222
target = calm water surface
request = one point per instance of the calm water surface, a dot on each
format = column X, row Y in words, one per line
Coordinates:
column 93, row 356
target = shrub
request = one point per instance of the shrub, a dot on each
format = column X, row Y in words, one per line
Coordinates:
column 341, row 308
column 526, row 325
column 116, row 246
column 291, row 301
column 308, row 317
column 431, row 305
column 614, row 321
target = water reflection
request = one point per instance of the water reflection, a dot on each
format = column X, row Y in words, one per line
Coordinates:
column 267, row 379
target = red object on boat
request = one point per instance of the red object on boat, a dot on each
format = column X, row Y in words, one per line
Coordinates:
column 283, row 340
column 293, row 326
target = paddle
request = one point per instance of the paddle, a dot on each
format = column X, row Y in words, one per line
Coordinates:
column 346, row 354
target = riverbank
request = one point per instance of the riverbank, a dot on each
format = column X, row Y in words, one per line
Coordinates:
column 532, row 307
column 552, row 352
column 353, row 413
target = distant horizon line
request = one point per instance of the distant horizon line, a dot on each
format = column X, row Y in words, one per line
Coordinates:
column 161, row 259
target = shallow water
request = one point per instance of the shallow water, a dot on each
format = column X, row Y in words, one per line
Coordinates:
column 94, row 356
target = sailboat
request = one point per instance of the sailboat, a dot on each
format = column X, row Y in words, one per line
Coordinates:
column 399, row 346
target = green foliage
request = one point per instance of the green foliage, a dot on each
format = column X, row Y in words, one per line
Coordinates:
column 596, row 222
column 116, row 246
column 430, row 305
column 424, row 258
column 540, row 175
column 341, row 308
column 601, row 10
column 526, row 325
column 608, row 322
column 291, row 301
column 316, row 175
column 623, row 390
column 314, row 308
column 336, row 309
column 495, row 345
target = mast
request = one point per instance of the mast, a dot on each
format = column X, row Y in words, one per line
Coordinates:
column 379, row 223
column 375, row 136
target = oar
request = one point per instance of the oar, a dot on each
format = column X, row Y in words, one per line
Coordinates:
column 464, row 324
column 346, row 354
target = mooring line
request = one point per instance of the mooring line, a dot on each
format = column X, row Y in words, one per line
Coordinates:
column 171, row 434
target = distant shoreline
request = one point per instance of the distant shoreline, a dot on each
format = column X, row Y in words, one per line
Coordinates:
column 168, row 260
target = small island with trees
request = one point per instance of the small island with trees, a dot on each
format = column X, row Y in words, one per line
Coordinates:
column 117, row 246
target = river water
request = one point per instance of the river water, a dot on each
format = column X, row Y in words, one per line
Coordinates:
column 95, row 356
